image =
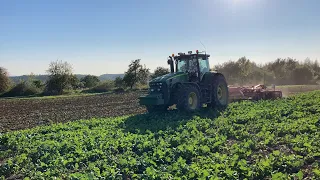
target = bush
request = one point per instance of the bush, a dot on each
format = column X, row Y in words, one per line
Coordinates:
column 4, row 80
column 140, row 86
column 119, row 91
column 159, row 71
column 23, row 89
column 60, row 78
column 90, row 81
column 118, row 82
column 102, row 87
column 38, row 83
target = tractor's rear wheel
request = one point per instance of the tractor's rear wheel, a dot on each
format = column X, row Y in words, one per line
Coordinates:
column 220, row 93
column 188, row 98
column 156, row 108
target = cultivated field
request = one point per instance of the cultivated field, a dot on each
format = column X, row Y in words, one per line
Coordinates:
column 22, row 113
column 25, row 113
column 267, row 139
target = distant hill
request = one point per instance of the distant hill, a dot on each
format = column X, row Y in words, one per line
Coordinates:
column 109, row 76
column 17, row 79
column 43, row 78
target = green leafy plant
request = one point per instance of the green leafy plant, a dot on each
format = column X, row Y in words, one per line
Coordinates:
column 264, row 140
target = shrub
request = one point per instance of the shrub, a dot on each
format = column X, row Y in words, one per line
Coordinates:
column 101, row 87
column 119, row 91
column 38, row 83
column 118, row 82
column 4, row 80
column 24, row 88
column 60, row 78
column 90, row 81
column 160, row 71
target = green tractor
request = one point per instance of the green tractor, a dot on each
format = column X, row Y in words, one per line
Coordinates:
column 189, row 85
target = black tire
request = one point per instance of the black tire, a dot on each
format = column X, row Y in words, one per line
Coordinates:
column 156, row 108
column 185, row 94
column 220, row 92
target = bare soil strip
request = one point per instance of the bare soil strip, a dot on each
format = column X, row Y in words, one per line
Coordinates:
column 16, row 114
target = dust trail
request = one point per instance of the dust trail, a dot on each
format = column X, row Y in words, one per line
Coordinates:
column 285, row 92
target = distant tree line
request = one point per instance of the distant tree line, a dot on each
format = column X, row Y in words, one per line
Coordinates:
column 280, row 72
column 61, row 79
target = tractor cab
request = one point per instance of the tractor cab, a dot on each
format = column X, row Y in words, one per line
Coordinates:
column 195, row 65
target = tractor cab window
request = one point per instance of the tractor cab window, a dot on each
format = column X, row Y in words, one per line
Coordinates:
column 182, row 66
column 193, row 65
column 204, row 66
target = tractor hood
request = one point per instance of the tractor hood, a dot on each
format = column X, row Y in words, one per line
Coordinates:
column 166, row 77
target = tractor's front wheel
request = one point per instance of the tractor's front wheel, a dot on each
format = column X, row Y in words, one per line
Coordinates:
column 189, row 98
column 220, row 93
column 156, row 108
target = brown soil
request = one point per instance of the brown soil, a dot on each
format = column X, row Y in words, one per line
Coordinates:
column 16, row 114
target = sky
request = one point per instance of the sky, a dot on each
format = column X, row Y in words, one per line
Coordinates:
column 103, row 36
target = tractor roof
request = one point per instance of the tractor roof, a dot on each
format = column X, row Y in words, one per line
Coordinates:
column 181, row 56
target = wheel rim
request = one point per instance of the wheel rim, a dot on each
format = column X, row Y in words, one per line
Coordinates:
column 222, row 94
column 193, row 100
column 219, row 93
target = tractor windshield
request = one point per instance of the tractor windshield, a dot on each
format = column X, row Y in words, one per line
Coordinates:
column 182, row 66
column 186, row 64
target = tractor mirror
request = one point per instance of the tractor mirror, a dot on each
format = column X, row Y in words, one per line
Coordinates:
column 169, row 61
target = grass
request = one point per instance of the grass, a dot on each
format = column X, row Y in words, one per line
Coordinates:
column 268, row 139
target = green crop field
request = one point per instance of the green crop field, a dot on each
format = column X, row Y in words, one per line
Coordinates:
column 267, row 139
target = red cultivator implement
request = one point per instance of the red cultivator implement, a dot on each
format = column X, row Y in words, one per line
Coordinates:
column 255, row 93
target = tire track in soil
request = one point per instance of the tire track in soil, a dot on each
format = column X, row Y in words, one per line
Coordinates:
column 16, row 114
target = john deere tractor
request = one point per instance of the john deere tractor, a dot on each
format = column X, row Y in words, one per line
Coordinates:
column 189, row 85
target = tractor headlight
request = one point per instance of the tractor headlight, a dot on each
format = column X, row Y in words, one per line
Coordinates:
column 160, row 84
column 159, row 89
column 151, row 90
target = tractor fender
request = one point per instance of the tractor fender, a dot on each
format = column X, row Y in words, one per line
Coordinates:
column 192, row 84
column 179, row 84
column 218, row 74
column 210, row 76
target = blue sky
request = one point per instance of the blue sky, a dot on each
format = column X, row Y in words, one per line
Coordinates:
column 103, row 36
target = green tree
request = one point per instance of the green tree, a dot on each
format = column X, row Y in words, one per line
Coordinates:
column 230, row 70
column 160, row 71
column 118, row 82
column 278, row 69
column 316, row 67
column 143, row 75
column 37, row 83
column 74, row 82
column 60, row 77
column 4, row 80
column 90, row 81
column 34, row 81
column 135, row 73
column 245, row 69
column 302, row 75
